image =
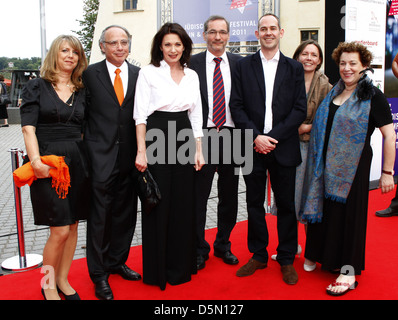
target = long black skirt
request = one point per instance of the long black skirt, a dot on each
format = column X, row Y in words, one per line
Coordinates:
column 339, row 241
column 168, row 230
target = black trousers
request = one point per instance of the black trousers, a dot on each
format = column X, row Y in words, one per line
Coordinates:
column 283, row 184
column 168, row 230
column 111, row 224
column 227, row 191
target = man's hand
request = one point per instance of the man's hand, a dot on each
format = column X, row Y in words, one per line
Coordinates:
column 264, row 144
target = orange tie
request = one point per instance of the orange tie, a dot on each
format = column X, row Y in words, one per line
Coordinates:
column 118, row 85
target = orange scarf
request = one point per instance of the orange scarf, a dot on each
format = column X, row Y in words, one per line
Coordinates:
column 59, row 173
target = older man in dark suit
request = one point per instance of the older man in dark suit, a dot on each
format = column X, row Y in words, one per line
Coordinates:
column 216, row 35
column 111, row 144
column 268, row 97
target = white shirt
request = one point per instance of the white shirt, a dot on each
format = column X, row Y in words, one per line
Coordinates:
column 269, row 68
column 226, row 75
column 157, row 91
column 124, row 74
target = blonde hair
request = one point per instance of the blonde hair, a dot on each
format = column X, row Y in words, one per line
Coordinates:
column 49, row 70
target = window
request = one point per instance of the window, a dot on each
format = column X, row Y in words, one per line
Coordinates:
column 252, row 46
column 130, row 4
column 309, row 35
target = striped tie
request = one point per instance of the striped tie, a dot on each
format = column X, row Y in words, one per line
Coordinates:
column 218, row 96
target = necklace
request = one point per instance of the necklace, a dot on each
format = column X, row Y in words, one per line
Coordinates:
column 73, row 98
column 73, row 93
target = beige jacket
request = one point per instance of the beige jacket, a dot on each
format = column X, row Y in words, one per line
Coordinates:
column 319, row 88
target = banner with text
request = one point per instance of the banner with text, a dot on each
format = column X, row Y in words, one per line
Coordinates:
column 241, row 14
column 366, row 23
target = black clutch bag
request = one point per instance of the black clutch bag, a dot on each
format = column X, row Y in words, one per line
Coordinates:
column 147, row 189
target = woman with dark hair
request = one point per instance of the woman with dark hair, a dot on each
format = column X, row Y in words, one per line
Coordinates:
column 52, row 113
column 167, row 101
column 336, row 186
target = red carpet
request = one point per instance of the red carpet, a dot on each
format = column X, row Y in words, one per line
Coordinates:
column 218, row 281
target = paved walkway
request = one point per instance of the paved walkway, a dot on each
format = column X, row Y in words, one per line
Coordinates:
column 36, row 236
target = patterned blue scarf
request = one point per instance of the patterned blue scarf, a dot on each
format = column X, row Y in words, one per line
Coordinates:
column 333, row 178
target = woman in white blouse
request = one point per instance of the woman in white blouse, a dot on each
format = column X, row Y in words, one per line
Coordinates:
column 167, row 108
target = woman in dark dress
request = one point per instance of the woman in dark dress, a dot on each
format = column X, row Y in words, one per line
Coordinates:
column 52, row 113
column 167, row 98
column 335, row 198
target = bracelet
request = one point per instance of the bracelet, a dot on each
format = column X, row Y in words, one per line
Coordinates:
column 391, row 173
column 198, row 139
column 34, row 160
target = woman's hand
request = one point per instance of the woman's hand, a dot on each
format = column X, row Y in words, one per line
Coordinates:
column 40, row 169
column 305, row 128
column 386, row 183
column 141, row 162
column 199, row 160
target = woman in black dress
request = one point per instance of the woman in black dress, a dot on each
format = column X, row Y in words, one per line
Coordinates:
column 335, row 198
column 167, row 101
column 52, row 113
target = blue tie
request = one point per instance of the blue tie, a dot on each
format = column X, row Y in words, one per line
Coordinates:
column 218, row 96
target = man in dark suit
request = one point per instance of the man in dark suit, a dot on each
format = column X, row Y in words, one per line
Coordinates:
column 216, row 35
column 111, row 144
column 268, row 97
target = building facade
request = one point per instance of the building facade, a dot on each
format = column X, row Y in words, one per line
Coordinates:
column 301, row 19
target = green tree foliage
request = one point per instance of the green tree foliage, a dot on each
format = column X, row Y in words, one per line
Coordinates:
column 26, row 63
column 86, row 34
column 21, row 64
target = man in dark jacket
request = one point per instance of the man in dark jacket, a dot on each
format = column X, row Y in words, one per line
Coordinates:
column 111, row 144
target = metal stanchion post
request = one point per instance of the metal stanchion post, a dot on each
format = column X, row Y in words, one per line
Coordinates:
column 22, row 262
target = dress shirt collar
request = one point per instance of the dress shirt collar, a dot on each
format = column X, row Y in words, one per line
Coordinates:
column 111, row 68
column 275, row 57
column 164, row 64
column 210, row 57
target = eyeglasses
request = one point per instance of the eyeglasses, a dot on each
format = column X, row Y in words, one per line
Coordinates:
column 114, row 44
column 214, row 32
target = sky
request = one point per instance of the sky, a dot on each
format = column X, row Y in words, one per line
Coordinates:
column 20, row 21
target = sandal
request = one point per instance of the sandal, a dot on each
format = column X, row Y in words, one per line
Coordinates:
column 347, row 286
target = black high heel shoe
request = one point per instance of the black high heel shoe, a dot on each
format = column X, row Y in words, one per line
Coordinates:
column 74, row 296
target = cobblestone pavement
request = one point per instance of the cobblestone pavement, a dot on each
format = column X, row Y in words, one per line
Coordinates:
column 36, row 236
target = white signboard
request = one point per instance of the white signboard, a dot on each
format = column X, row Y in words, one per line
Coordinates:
column 366, row 24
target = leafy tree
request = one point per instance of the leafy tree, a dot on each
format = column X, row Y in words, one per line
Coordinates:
column 33, row 63
column 86, row 34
